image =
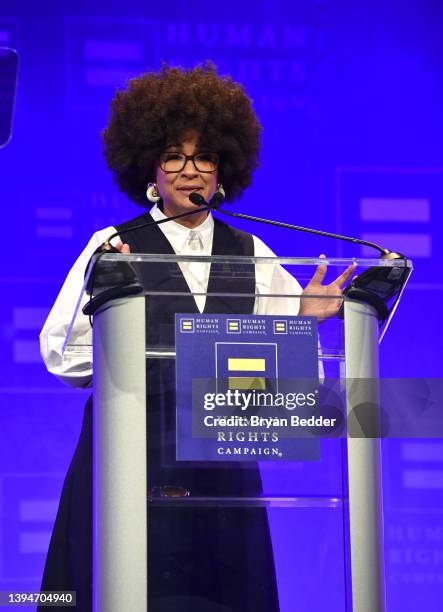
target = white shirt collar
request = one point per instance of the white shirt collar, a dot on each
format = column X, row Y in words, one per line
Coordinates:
column 178, row 235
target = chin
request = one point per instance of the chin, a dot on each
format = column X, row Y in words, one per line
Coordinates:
column 186, row 203
column 178, row 206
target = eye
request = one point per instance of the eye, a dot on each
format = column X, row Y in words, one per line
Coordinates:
column 172, row 156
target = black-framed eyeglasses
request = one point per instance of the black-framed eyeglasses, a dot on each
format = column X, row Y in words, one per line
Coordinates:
column 175, row 162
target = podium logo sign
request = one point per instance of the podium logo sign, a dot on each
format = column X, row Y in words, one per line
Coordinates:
column 242, row 385
column 187, row 326
column 280, row 327
column 245, row 365
column 233, row 326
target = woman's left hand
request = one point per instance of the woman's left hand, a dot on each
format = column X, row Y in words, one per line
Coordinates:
column 326, row 300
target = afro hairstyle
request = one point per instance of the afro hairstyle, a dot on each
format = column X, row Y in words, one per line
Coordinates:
column 158, row 108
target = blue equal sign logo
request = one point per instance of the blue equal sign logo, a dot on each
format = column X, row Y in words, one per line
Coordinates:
column 246, row 366
column 280, row 327
column 233, row 326
column 187, row 326
column 246, row 373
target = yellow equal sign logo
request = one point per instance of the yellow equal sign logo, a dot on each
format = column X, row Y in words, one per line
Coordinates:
column 233, row 326
column 244, row 364
column 280, row 327
column 187, row 325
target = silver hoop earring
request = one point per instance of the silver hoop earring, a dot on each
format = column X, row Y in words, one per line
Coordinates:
column 152, row 193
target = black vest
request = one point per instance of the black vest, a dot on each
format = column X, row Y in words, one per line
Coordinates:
column 225, row 279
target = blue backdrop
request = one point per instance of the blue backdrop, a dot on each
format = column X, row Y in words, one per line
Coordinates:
column 350, row 98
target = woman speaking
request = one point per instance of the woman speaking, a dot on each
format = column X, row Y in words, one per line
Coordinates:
column 170, row 134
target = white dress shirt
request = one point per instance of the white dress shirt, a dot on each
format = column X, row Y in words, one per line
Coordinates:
column 76, row 370
column 190, row 241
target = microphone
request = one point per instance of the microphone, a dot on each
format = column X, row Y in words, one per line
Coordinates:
column 218, row 198
column 213, row 204
column 376, row 286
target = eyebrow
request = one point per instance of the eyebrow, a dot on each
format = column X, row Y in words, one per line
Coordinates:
column 180, row 147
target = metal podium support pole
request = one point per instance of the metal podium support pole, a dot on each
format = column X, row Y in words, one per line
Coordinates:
column 364, row 461
column 119, row 471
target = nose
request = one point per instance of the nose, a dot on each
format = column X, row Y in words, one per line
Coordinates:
column 189, row 168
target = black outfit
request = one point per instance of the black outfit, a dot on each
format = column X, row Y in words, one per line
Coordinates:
column 200, row 559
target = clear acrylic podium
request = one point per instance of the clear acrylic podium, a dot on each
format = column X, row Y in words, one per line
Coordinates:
column 324, row 516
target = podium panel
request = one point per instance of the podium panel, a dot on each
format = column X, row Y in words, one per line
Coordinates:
column 242, row 530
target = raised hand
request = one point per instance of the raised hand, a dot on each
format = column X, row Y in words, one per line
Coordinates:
column 326, row 300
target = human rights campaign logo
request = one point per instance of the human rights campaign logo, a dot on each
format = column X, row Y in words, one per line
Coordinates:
column 246, row 365
column 232, row 369
column 187, row 326
column 233, row 326
column 280, row 326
